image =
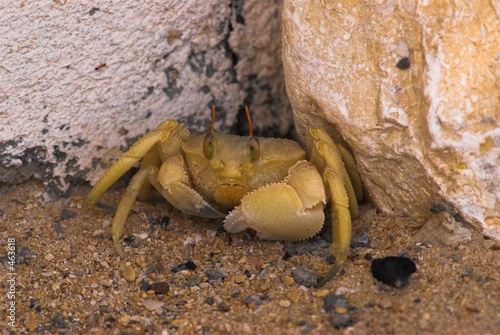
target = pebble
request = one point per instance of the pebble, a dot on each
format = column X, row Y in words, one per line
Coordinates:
column 393, row 270
column 360, row 240
column 124, row 320
column 284, row 303
column 252, row 301
column 293, row 295
column 98, row 232
column 287, row 280
column 322, row 293
column 303, row 276
column 49, row 257
column 106, row 282
column 128, row 273
column 189, row 265
column 341, row 315
column 31, row 324
column 334, row 301
column 160, row 288
column 151, row 305
column 239, row 279
column 67, row 214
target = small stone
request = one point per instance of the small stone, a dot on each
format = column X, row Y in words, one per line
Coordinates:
column 98, row 232
column 59, row 322
column 303, row 276
column 293, row 295
column 284, row 303
column 287, row 280
column 393, row 271
column 106, row 283
column 160, row 288
column 30, row 324
column 442, row 228
column 386, row 244
column 128, row 273
column 189, row 265
column 239, row 279
column 67, row 214
column 252, row 301
column 334, row 301
column 340, row 310
column 132, row 241
column 49, row 257
column 322, row 293
column 340, row 320
column 179, row 323
column 360, row 240
column 151, row 305
column 124, row 320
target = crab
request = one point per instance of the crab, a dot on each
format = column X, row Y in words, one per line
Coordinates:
column 271, row 185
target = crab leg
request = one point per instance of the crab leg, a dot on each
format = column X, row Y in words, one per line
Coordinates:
column 326, row 155
column 129, row 159
column 172, row 181
column 170, row 131
column 125, row 205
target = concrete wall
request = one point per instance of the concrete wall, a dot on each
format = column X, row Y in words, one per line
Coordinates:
column 81, row 81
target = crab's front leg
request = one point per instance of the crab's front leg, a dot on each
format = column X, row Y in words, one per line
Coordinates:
column 172, row 181
column 344, row 187
column 288, row 210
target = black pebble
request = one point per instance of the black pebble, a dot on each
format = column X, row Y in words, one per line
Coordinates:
column 403, row 64
column 393, row 270
column 189, row 265
column 131, row 241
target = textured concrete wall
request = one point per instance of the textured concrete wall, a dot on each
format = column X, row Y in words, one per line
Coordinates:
column 81, row 81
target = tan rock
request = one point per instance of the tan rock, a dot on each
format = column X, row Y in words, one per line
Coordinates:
column 412, row 87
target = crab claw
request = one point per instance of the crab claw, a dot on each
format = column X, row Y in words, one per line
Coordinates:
column 289, row 210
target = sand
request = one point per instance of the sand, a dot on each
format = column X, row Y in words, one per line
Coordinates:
column 184, row 275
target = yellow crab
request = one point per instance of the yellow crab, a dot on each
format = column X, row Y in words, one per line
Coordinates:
column 266, row 184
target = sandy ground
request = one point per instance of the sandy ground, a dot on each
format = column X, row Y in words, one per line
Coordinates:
column 183, row 275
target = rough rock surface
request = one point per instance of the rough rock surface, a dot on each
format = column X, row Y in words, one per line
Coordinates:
column 80, row 82
column 412, row 87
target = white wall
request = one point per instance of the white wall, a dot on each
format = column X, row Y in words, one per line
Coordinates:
column 80, row 81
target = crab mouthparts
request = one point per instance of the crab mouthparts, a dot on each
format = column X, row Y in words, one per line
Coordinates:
column 231, row 182
column 230, row 191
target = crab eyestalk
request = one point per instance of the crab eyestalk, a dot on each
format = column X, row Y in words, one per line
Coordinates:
column 210, row 141
column 253, row 145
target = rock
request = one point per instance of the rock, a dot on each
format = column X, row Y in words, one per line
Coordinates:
column 442, row 229
column 160, row 287
column 128, row 273
column 393, row 271
column 360, row 240
column 412, row 88
column 304, row 276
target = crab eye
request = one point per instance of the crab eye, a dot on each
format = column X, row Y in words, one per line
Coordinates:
column 253, row 149
column 209, row 146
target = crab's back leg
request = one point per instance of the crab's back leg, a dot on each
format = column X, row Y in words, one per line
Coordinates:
column 326, row 155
